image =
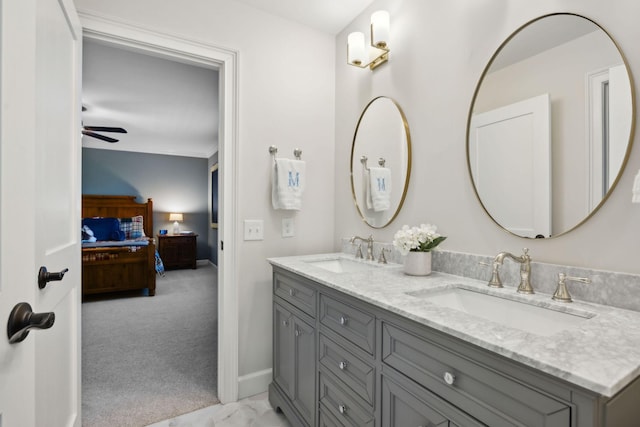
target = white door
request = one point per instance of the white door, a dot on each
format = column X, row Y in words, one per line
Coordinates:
column 40, row 209
column 609, row 119
column 510, row 161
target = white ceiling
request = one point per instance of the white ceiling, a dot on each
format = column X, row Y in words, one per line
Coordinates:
column 330, row 16
column 169, row 107
column 540, row 36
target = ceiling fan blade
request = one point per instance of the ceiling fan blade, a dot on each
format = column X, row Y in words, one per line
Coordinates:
column 102, row 137
column 104, row 129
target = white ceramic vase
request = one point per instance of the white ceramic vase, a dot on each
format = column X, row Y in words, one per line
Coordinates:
column 417, row 264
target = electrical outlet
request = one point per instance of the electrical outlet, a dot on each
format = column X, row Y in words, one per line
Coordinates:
column 253, row 229
column 288, row 229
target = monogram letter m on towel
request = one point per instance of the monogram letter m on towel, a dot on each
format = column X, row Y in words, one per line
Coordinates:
column 287, row 184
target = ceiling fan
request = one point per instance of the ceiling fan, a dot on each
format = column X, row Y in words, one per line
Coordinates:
column 91, row 131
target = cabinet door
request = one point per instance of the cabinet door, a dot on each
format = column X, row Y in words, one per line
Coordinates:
column 283, row 357
column 305, row 369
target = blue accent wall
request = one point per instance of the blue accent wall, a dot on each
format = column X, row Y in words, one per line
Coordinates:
column 175, row 183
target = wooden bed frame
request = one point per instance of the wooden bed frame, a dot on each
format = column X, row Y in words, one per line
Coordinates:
column 125, row 268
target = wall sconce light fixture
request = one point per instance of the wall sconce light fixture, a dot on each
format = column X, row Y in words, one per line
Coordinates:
column 177, row 218
column 377, row 53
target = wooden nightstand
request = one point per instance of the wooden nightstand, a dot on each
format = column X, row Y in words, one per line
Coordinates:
column 177, row 250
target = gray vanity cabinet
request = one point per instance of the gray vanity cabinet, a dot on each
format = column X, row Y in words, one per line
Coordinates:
column 339, row 361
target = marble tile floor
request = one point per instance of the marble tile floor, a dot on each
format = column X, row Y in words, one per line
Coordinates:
column 253, row 411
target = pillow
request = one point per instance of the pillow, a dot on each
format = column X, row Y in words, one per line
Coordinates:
column 87, row 235
column 104, row 228
column 133, row 227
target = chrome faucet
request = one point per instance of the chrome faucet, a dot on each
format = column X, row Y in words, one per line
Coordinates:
column 382, row 259
column 369, row 242
column 562, row 294
column 525, row 271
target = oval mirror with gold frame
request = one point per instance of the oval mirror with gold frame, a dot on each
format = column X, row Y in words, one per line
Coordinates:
column 550, row 126
column 380, row 162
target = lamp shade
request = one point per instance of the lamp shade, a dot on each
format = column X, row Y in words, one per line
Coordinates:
column 175, row 217
column 380, row 29
column 355, row 48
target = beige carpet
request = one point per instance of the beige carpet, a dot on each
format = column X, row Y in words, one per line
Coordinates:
column 146, row 359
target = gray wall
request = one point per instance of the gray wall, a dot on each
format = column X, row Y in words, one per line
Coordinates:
column 439, row 51
column 176, row 184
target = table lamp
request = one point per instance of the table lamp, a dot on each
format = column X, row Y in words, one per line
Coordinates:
column 176, row 217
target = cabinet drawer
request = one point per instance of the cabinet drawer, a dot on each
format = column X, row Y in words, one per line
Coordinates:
column 327, row 420
column 355, row 325
column 483, row 392
column 355, row 373
column 346, row 408
column 406, row 404
column 296, row 292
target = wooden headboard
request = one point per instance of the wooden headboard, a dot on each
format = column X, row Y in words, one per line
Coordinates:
column 118, row 207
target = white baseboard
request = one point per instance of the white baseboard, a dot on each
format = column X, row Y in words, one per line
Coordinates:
column 254, row 383
column 204, row 262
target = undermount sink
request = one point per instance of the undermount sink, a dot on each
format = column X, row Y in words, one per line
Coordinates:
column 342, row 265
column 520, row 315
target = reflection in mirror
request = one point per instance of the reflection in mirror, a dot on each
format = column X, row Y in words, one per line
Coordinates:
column 550, row 126
column 380, row 162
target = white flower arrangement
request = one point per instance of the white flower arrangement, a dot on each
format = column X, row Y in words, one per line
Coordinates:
column 417, row 239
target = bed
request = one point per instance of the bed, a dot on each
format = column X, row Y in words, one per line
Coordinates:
column 121, row 264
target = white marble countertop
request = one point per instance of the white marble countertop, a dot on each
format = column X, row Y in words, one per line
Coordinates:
column 602, row 354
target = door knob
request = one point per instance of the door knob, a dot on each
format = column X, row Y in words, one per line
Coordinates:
column 22, row 319
column 45, row 277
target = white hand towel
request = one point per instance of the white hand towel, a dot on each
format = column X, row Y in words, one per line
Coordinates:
column 366, row 179
column 380, row 188
column 288, row 184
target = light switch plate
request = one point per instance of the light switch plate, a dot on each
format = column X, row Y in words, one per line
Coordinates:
column 288, row 228
column 253, row 229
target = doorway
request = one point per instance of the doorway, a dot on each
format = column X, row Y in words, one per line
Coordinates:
column 225, row 60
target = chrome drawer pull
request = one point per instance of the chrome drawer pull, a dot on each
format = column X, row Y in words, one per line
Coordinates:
column 285, row 323
column 342, row 409
column 343, row 320
column 297, row 332
column 449, row 378
column 292, row 292
column 342, row 365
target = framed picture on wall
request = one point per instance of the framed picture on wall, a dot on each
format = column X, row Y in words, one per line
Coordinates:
column 214, row 196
